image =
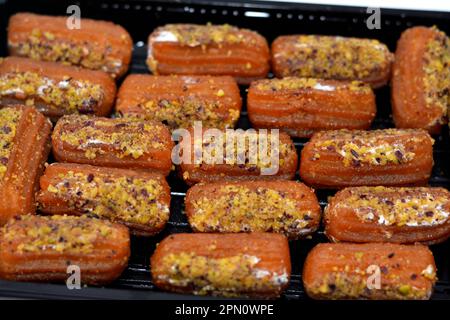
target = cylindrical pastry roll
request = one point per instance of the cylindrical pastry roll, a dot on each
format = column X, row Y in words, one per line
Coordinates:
column 378, row 271
column 55, row 89
column 36, row 248
column 232, row 155
column 286, row 207
column 118, row 143
column 390, row 157
column 245, row 265
column 421, row 79
column 139, row 200
column 302, row 106
column 178, row 101
column 24, row 147
column 380, row 214
column 328, row 57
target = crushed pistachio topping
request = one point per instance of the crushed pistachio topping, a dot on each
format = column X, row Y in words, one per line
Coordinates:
column 193, row 35
column 127, row 137
column 336, row 57
column 241, row 209
column 127, row 199
column 9, row 119
column 229, row 276
column 69, row 94
column 250, row 150
column 63, row 234
column 351, row 283
column 413, row 207
column 183, row 111
column 294, row 83
column 359, row 148
column 46, row 46
column 437, row 73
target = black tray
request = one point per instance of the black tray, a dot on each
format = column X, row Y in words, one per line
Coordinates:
column 270, row 19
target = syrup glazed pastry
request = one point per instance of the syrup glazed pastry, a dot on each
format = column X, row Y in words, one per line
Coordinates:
column 55, row 89
column 253, row 265
column 421, row 79
column 96, row 45
column 348, row 271
column 286, row 207
column 36, row 248
column 390, row 157
column 238, row 155
column 139, row 200
column 327, row 57
column 119, row 143
column 208, row 49
column 380, row 214
column 24, row 147
column 178, row 101
column 302, row 106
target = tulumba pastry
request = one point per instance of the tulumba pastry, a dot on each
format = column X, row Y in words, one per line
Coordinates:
column 118, row 143
column 328, row 57
column 302, row 106
column 286, row 207
column 390, row 157
column 179, row 101
column 421, row 79
column 193, row 49
column 41, row 249
column 95, row 44
column 374, row 271
column 139, row 200
column 232, row 265
column 55, row 89
column 382, row 214
column 24, row 147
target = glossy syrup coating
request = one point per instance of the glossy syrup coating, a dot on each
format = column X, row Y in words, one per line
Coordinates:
column 231, row 265
column 179, row 101
column 240, row 155
column 210, row 50
column 382, row 214
column 138, row 200
column 36, row 248
column 421, row 79
column 119, row 143
column 24, row 147
column 286, row 207
column 55, row 89
column 391, row 157
column 302, row 106
column 329, row 57
column 348, row 271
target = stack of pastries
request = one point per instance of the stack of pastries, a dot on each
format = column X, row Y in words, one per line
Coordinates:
column 113, row 150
